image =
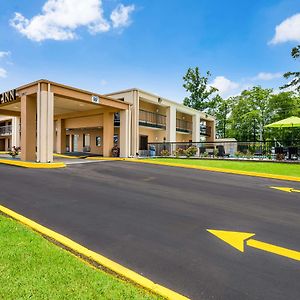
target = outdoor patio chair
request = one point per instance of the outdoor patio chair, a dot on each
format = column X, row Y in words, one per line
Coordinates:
column 221, row 151
column 293, row 153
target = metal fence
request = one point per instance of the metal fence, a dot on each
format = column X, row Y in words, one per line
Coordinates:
column 227, row 149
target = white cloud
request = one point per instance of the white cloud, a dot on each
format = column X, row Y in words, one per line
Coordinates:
column 3, row 73
column 120, row 16
column 4, row 54
column 267, row 76
column 225, row 86
column 288, row 30
column 59, row 19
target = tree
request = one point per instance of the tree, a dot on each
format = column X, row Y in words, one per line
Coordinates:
column 294, row 77
column 250, row 113
column 199, row 90
column 282, row 106
column 220, row 108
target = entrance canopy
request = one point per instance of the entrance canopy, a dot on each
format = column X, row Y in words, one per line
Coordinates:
column 45, row 110
column 285, row 123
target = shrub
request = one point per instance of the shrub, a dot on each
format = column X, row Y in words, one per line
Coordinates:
column 14, row 152
column 238, row 154
column 191, row 151
column 249, row 154
column 216, row 152
column 205, row 154
column 165, row 153
column 179, row 152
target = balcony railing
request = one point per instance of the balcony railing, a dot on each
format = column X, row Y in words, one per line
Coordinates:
column 151, row 119
column 205, row 130
column 184, row 126
column 6, row 130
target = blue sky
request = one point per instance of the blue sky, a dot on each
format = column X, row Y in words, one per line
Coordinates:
column 109, row 45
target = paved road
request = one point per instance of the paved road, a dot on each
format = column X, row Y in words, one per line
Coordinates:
column 153, row 219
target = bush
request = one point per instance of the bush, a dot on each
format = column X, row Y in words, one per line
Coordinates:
column 179, row 152
column 191, row 151
column 249, row 154
column 216, row 152
column 165, row 153
column 205, row 154
column 14, row 152
column 238, row 154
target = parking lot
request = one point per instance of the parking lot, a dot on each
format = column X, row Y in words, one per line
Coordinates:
column 154, row 220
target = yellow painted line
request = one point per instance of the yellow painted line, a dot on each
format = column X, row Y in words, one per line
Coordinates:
column 292, row 254
column 104, row 158
column 32, row 165
column 237, row 240
column 98, row 258
column 221, row 170
column 67, row 156
column 285, row 189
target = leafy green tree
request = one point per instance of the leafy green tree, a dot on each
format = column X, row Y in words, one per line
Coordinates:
column 294, row 77
column 198, row 88
column 250, row 113
column 282, row 106
column 220, row 108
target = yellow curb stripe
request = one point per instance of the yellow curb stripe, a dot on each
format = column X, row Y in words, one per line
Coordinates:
column 67, row 156
column 32, row 165
column 222, row 170
column 100, row 259
column 104, row 158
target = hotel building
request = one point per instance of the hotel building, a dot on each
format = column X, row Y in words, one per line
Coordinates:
column 45, row 117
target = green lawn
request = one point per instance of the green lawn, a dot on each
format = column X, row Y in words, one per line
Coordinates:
column 33, row 268
column 260, row 167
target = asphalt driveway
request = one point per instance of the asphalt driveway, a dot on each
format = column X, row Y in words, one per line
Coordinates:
column 153, row 219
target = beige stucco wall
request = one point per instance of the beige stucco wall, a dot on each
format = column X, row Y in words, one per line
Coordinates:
column 180, row 137
column 93, row 134
column 84, row 122
column 182, row 116
column 5, row 118
column 152, row 107
column 154, row 135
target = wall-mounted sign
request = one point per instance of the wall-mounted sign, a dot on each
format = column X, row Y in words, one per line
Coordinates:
column 95, row 99
column 8, row 97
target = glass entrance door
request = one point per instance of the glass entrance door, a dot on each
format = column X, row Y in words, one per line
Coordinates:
column 75, row 139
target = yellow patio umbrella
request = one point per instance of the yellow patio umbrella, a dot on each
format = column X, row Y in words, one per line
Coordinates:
column 287, row 123
column 290, row 122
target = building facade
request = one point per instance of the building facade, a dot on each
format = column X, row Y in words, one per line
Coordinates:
column 45, row 117
column 155, row 120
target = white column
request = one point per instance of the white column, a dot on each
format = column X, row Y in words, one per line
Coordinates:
column 124, row 133
column 135, row 133
column 171, row 124
column 45, row 107
column 196, row 128
column 15, row 138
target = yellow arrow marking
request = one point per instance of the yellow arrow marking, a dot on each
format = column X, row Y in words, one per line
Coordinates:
column 239, row 239
column 285, row 189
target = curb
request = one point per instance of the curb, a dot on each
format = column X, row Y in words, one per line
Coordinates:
column 32, row 165
column 104, row 158
column 103, row 261
column 220, row 170
column 68, row 156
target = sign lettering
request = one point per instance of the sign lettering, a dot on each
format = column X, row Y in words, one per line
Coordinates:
column 8, row 97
